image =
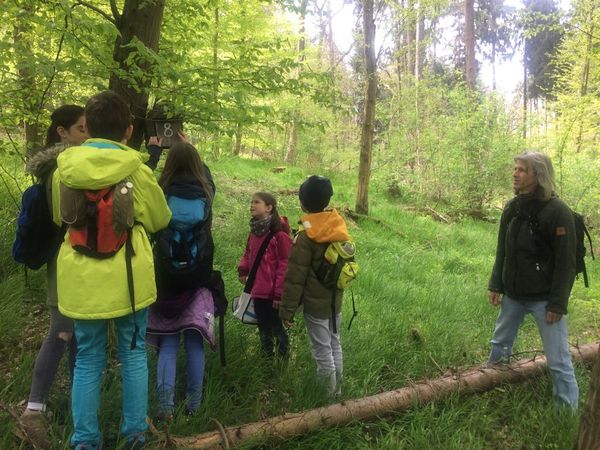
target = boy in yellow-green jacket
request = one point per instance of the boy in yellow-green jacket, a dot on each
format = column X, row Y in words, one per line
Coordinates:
column 94, row 286
column 319, row 227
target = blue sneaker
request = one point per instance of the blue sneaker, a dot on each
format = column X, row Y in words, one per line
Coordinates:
column 85, row 446
column 135, row 443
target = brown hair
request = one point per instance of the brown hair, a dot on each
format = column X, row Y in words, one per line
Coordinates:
column 107, row 116
column 184, row 159
column 269, row 199
column 65, row 116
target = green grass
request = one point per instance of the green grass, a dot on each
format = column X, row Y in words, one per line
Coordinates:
column 421, row 296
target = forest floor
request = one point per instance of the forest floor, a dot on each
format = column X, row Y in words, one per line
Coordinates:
column 421, row 297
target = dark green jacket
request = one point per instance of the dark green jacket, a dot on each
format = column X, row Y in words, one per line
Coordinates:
column 301, row 286
column 534, row 265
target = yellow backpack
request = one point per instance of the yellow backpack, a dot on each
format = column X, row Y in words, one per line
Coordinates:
column 338, row 268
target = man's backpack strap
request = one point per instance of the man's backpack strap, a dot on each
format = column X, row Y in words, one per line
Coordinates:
column 129, row 253
column 586, row 281
column 587, row 233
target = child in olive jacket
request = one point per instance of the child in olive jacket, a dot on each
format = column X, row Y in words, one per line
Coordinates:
column 318, row 229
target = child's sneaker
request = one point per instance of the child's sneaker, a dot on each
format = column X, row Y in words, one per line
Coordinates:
column 163, row 419
column 35, row 426
column 135, row 443
column 85, row 446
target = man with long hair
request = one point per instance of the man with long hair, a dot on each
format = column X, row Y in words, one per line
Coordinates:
column 534, row 271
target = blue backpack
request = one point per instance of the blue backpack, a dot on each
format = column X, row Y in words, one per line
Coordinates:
column 38, row 238
column 183, row 252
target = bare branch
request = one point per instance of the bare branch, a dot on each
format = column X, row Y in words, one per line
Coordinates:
column 343, row 56
column 8, row 190
column 14, row 144
column 587, row 33
column 107, row 16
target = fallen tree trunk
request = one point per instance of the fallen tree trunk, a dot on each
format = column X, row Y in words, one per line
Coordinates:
column 588, row 437
column 289, row 425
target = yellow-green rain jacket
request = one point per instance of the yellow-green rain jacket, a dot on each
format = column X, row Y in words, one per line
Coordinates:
column 90, row 288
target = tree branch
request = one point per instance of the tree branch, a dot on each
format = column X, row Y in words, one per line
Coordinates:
column 115, row 11
column 343, row 56
column 8, row 190
column 587, row 33
column 14, row 144
column 89, row 48
column 51, row 80
column 107, row 16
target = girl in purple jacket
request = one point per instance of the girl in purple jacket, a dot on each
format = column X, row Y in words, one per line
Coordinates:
column 266, row 223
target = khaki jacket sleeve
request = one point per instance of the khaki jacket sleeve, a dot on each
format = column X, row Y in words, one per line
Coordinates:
column 298, row 268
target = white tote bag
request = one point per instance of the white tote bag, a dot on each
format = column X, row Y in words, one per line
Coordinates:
column 243, row 309
column 243, row 306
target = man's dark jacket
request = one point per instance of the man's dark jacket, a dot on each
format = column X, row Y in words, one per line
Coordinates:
column 535, row 256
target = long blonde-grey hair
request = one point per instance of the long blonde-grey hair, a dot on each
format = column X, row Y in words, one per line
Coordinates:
column 542, row 167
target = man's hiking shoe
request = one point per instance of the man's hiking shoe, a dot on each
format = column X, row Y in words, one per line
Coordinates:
column 33, row 427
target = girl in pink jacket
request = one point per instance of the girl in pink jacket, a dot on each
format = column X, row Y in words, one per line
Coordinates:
column 266, row 223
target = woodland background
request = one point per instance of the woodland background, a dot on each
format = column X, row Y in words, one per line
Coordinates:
column 405, row 126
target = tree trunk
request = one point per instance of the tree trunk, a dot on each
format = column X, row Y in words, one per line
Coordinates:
column 216, row 79
column 290, row 154
column 375, row 406
column 399, row 52
column 410, row 36
column 469, row 40
column 28, row 94
column 331, row 42
column 524, row 95
column 586, row 73
column 419, row 41
column 237, row 149
column 588, row 437
column 292, row 143
column 141, row 19
column 366, row 139
column 400, row 41
column 494, row 59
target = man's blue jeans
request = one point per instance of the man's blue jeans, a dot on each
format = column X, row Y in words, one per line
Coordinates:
column 554, row 339
column 89, row 365
column 167, row 370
